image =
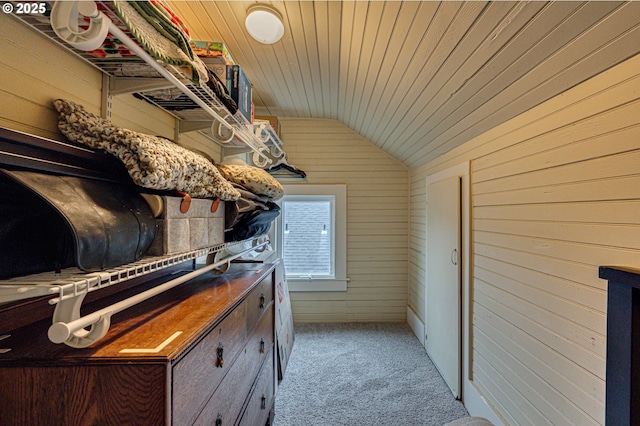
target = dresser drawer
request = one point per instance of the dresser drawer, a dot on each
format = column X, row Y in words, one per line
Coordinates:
column 197, row 375
column 261, row 399
column 226, row 404
column 259, row 301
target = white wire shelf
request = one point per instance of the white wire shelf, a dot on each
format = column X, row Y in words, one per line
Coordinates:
column 144, row 67
column 71, row 286
column 71, row 282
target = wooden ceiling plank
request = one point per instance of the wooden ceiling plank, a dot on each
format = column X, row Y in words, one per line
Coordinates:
column 407, row 78
column 356, row 40
column 451, row 41
column 527, row 34
column 416, row 34
column 285, row 55
column 312, row 53
column 504, row 68
column 592, row 64
column 382, row 44
column 271, row 74
column 397, row 32
column 335, row 40
column 305, row 90
column 532, row 75
column 500, row 22
column 397, row 106
column 321, row 9
column 346, row 28
column 422, row 86
column 369, row 44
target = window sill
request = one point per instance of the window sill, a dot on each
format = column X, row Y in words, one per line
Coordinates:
column 297, row 284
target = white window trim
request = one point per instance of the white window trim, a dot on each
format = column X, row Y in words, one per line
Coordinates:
column 339, row 283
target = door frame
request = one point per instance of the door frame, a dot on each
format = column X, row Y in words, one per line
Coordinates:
column 471, row 397
column 461, row 171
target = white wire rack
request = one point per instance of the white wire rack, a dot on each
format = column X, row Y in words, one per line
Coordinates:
column 225, row 128
column 71, row 282
column 72, row 285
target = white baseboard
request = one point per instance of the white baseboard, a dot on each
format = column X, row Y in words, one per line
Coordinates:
column 473, row 401
column 477, row 406
column 416, row 325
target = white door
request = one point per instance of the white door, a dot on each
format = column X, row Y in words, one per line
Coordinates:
column 443, row 289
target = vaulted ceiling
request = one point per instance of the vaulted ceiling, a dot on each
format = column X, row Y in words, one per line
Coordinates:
column 418, row 78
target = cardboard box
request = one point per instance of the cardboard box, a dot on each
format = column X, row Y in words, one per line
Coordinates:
column 178, row 232
column 272, row 119
column 219, row 69
column 212, row 52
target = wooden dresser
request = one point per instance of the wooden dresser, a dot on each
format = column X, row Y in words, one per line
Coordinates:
column 202, row 353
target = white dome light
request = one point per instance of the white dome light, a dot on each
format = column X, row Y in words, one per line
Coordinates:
column 264, row 24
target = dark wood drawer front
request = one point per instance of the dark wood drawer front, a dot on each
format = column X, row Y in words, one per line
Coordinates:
column 259, row 301
column 261, row 399
column 88, row 399
column 227, row 402
column 197, row 375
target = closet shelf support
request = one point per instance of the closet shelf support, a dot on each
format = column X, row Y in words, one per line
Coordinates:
column 70, row 328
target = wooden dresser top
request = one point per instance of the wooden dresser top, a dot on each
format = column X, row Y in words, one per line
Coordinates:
column 157, row 330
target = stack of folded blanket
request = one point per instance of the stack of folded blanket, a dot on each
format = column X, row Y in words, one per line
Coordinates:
column 152, row 162
column 160, row 164
column 252, row 214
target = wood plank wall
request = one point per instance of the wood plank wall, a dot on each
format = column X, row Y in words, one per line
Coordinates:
column 35, row 71
column 555, row 194
column 377, row 221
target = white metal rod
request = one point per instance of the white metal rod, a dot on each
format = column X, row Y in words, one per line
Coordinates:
column 59, row 332
column 133, row 46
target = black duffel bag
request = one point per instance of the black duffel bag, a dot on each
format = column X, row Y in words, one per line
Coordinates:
column 49, row 222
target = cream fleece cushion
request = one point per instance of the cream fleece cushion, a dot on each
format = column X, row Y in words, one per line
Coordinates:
column 253, row 179
column 152, row 162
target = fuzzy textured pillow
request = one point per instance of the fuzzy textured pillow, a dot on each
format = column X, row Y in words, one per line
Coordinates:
column 253, row 179
column 152, row 162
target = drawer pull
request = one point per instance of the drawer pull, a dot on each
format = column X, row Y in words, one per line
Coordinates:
column 220, row 353
column 261, row 346
column 262, row 300
column 263, row 405
column 219, row 420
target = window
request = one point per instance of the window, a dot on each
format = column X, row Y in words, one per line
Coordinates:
column 311, row 237
column 307, row 241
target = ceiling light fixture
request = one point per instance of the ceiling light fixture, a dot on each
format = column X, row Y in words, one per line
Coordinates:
column 264, row 23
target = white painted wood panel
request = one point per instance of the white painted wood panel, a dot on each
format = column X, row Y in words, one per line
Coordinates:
column 571, row 280
column 566, row 337
column 36, row 71
column 377, row 221
column 555, row 194
column 543, row 372
column 32, row 79
column 388, row 43
column 520, row 399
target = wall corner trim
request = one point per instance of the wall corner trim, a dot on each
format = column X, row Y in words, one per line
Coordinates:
column 416, row 325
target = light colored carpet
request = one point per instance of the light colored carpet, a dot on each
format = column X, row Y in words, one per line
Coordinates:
column 362, row 374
